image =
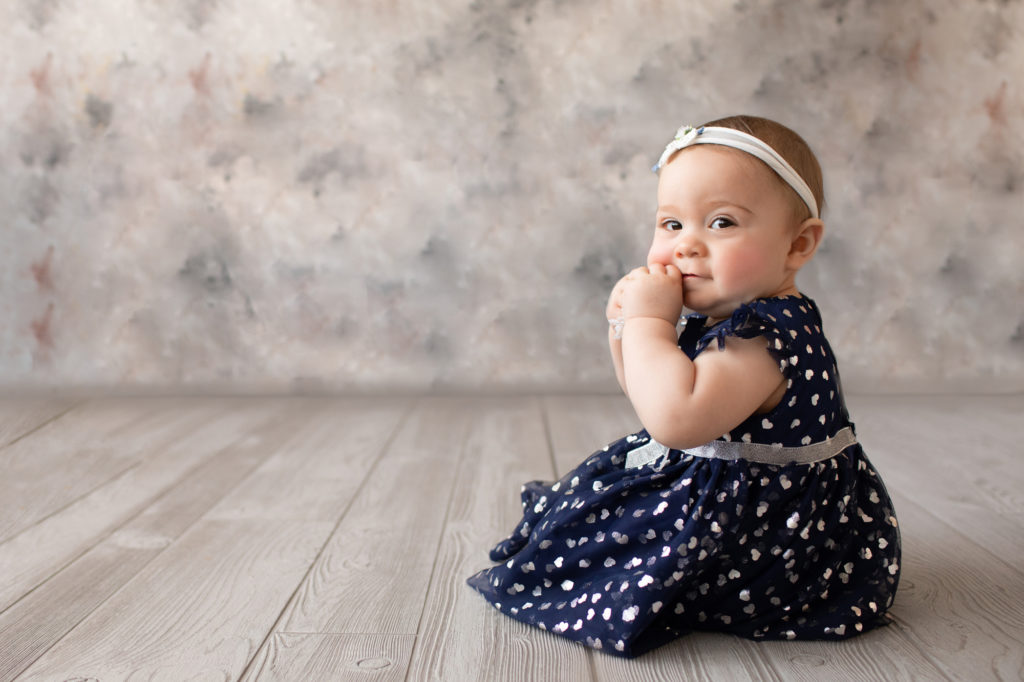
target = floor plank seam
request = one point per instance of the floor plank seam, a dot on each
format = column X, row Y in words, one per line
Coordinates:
column 55, row 642
column 592, row 664
column 120, row 474
column 115, row 477
column 341, row 517
column 114, row 529
column 360, row 633
column 44, row 423
column 99, row 540
column 437, row 555
column 766, row 661
column 953, row 529
column 902, row 627
column 128, row 520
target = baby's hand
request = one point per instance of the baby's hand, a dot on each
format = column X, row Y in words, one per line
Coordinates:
column 614, row 309
column 653, row 291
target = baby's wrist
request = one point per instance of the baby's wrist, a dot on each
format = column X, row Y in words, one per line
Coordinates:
column 670, row 317
column 617, row 324
column 648, row 326
column 647, row 319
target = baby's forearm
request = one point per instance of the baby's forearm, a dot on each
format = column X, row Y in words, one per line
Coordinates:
column 659, row 375
column 615, row 346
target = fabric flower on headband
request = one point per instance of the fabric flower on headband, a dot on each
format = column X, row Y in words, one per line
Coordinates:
column 686, row 134
column 684, row 138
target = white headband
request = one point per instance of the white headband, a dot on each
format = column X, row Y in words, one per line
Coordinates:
column 688, row 135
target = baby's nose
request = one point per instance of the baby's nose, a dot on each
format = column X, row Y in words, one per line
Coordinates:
column 686, row 245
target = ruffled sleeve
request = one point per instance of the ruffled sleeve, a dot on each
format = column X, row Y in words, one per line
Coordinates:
column 773, row 319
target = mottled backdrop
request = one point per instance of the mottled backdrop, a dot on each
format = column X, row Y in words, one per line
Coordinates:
column 371, row 194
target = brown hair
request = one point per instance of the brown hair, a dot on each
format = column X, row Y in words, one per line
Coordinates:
column 790, row 146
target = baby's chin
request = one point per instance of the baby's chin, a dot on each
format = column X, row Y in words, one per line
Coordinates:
column 713, row 312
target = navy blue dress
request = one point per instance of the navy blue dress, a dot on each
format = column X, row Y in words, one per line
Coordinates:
column 627, row 559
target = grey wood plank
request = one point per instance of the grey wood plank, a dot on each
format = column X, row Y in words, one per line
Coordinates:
column 882, row 654
column 461, row 637
column 316, row 477
column 288, row 657
column 717, row 657
column 962, row 458
column 34, row 624
column 582, row 424
column 374, row 572
column 42, row 549
column 86, row 448
column 205, row 604
column 19, row 417
column 700, row 656
column 44, row 616
column 971, row 446
column 956, row 602
column 197, row 611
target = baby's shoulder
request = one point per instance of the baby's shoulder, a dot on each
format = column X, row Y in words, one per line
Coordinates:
column 784, row 312
column 785, row 321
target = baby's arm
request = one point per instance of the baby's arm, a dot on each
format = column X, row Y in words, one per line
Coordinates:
column 684, row 403
column 614, row 312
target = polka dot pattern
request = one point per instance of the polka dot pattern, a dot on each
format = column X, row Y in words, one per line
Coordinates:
column 625, row 560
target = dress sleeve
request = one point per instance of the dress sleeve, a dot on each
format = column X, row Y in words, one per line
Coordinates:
column 758, row 318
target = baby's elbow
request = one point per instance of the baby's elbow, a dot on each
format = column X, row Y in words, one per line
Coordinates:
column 679, row 441
column 675, row 432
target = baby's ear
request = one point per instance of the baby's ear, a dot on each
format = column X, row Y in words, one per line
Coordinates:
column 806, row 240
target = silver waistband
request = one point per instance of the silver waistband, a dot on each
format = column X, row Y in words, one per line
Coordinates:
column 752, row 452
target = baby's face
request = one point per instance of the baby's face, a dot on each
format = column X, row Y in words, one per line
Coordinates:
column 725, row 221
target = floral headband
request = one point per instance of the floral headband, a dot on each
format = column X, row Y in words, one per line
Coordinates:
column 688, row 135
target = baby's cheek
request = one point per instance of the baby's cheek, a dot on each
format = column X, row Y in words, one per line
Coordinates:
column 659, row 254
column 744, row 264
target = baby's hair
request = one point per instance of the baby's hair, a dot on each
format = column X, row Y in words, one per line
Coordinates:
column 790, row 146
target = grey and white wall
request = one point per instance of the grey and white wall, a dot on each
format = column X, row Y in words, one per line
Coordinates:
column 265, row 195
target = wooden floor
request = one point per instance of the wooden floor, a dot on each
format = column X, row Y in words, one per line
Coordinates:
column 329, row 539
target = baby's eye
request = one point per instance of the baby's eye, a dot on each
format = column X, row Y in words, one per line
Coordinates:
column 671, row 225
column 720, row 222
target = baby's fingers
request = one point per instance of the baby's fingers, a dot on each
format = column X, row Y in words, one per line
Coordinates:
column 673, row 272
column 637, row 272
column 668, row 271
